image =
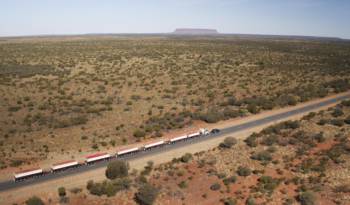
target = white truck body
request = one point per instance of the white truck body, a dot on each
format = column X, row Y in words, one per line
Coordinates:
column 194, row 134
column 64, row 165
column 28, row 173
column 154, row 144
column 127, row 151
column 178, row 138
column 92, row 159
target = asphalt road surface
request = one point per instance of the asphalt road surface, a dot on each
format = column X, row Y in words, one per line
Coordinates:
column 6, row 185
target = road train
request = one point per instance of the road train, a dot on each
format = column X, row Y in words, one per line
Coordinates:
column 91, row 159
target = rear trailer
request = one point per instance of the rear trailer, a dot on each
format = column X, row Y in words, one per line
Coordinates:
column 64, row 165
column 27, row 174
column 97, row 157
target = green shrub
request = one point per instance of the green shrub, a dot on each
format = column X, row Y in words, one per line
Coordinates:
column 262, row 156
column 347, row 120
column 230, row 180
column 117, row 169
column 34, row 200
column 306, row 198
column 251, row 141
column 337, row 112
column 252, row 108
column 250, row 201
column 267, row 184
column 230, row 201
column 146, row 195
column 215, row 186
column 139, row 133
column 183, row 185
column 228, row 142
column 337, row 122
column 346, row 103
column 62, row 192
column 244, row 171
column 186, row 157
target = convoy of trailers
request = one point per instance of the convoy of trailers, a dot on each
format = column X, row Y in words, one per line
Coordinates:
column 90, row 159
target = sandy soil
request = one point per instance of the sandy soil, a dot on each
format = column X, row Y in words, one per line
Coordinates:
column 11, row 196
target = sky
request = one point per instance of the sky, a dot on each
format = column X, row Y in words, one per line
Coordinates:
column 329, row 18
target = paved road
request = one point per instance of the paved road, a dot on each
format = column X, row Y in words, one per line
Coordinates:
column 6, row 185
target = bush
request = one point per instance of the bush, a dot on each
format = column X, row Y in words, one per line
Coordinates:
column 146, row 195
column 306, row 198
column 34, row 201
column 62, row 192
column 139, row 134
column 228, row 142
column 211, row 116
column 251, row 141
column 337, row 122
column 117, row 169
column 347, row 120
column 183, row 185
column 345, row 188
column 215, row 186
column 252, row 108
column 243, row 171
column 262, row 156
column 337, row 112
column 186, row 157
column 250, row 201
column 346, row 103
column 267, row 184
column 230, row 201
column 230, row 180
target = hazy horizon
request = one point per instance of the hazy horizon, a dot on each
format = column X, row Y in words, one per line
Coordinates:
column 321, row 18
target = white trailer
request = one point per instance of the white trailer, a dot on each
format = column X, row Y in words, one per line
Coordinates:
column 154, row 144
column 196, row 134
column 27, row 173
column 97, row 157
column 178, row 138
column 127, row 151
column 63, row 165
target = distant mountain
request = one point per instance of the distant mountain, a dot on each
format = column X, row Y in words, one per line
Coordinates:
column 195, row 31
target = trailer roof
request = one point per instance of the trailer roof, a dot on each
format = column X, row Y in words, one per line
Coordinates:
column 27, row 170
column 64, row 162
column 96, row 155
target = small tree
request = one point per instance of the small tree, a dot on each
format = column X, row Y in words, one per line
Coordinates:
column 62, row 192
column 117, row 169
column 146, row 195
column 34, row 200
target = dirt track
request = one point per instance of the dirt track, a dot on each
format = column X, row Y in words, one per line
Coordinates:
column 9, row 197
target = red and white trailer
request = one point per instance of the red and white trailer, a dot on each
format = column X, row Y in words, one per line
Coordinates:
column 64, row 165
column 155, row 144
column 175, row 139
column 196, row 134
column 27, row 173
column 127, row 151
column 97, row 157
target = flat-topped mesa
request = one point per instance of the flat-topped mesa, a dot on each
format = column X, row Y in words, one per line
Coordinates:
column 195, row 31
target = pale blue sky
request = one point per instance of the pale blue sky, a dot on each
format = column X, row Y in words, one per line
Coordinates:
column 288, row 17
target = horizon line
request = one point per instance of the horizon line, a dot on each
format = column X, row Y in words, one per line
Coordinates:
column 171, row 33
